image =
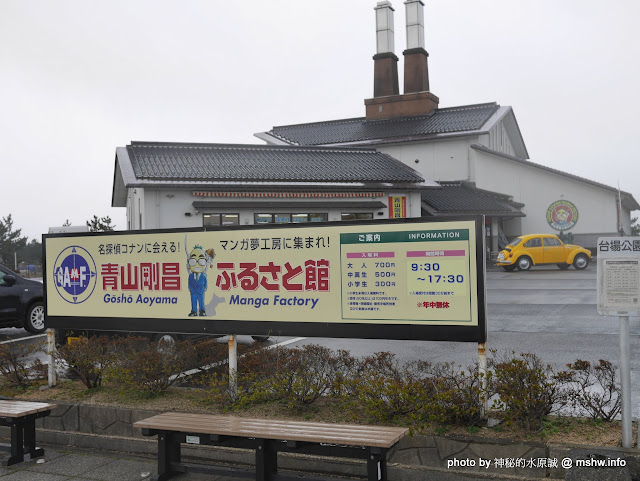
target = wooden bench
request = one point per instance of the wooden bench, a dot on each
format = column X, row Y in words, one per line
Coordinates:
column 21, row 416
column 267, row 437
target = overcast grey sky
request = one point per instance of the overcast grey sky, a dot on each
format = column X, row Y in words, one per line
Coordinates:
column 78, row 79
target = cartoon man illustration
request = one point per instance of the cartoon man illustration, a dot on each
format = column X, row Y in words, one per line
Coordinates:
column 197, row 263
column 562, row 215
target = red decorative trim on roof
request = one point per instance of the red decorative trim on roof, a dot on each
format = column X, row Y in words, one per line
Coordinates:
column 290, row 195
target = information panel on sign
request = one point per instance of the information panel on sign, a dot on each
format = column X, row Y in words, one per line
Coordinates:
column 413, row 275
column 406, row 279
column 618, row 276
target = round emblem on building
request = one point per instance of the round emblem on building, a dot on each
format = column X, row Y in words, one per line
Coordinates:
column 562, row 215
column 74, row 274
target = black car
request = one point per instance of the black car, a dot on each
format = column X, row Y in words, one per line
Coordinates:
column 21, row 302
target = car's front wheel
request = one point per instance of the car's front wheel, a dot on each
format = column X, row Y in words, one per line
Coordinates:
column 524, row 263
column 34, row 322
column 581, row 262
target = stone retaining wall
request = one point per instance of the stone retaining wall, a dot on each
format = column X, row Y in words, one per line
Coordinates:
column 418, row 458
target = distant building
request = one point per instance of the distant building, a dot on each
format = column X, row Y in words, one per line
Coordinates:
column 475, row 152
column 65, row 229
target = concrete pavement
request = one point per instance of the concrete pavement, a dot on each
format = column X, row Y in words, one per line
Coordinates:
column 75, row 464
column 61, row 464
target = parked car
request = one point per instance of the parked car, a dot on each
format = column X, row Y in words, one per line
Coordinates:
column 536, row 249
column 21, row 302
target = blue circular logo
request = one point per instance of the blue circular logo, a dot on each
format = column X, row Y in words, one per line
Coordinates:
column 74, row 274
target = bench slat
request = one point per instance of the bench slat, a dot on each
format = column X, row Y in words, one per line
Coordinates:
column 16, row 409
column 348, row 434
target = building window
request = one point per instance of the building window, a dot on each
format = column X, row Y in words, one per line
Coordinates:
column 289, row 218
column 263, row 219
column 358, row 216
column 220, row 219
column 282, row 218
column 318, row 217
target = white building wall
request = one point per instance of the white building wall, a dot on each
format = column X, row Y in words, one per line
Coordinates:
column 538, row 188
column 441, row 160
column 168, row 209
column 415, row 205
column 498, row 140
column 135, row 208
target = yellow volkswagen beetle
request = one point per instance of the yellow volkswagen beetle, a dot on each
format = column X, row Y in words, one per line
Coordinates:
column 536, row 249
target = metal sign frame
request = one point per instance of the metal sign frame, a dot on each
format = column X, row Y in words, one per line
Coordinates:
column 194, row 325
column 618, row 276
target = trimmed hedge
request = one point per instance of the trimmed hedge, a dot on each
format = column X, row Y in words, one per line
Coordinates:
column 380, row 387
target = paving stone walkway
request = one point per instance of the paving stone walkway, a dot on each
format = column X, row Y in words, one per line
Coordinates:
column 76, row 465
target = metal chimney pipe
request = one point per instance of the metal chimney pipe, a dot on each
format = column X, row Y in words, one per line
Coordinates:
column 416, row 69
column 385, row 73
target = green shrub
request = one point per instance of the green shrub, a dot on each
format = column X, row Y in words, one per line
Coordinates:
column 15, row 367
column 388, row 390
column 255, row 370
column 458, row 394
column 88, row 358
column 149, row 368
column 307, row 373
column 527, row 389
column 594, row 390
column 209, row 354
column 297, row 377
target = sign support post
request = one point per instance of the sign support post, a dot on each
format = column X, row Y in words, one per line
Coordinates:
column 233, row 365
column 51, row 348
column 619, row 294
column 482, row 372
column 625, row 382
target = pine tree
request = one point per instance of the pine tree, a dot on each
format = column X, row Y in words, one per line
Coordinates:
column 10, row 240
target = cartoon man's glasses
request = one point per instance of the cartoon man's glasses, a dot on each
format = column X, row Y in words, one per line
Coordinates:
column 202, row 262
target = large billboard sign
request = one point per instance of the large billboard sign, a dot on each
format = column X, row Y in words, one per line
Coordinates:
column 406, row 279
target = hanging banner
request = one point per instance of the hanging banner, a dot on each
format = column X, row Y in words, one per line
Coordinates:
column 397, row 207
column 396, row 280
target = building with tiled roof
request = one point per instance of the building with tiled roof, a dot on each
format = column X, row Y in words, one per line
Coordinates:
column 169, row 184
column 460, row 198
column 475, row 152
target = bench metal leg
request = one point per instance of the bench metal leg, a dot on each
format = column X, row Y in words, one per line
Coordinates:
column 377, row 465
column 30, row 439
column 17, row 444
column 168, row 453
column 266, row 459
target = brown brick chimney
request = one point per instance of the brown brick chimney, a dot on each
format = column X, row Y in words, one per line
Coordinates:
column 417, row 99
column 416, row 70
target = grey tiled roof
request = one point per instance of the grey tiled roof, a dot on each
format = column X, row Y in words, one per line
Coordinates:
column 459, row 198
column 440, row 121
column 234, row 162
